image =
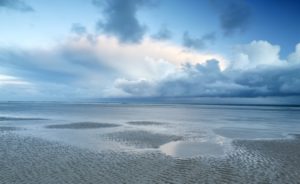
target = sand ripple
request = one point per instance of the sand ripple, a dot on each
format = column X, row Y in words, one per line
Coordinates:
column 31, row 160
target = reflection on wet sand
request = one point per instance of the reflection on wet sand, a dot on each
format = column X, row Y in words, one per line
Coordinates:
column 185, row 149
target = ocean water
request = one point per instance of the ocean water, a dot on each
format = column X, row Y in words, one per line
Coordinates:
column 43, row 142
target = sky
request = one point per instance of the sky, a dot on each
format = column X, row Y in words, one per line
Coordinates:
column 90, row 49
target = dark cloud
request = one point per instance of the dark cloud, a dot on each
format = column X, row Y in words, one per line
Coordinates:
column 209, row 81
column 163, row 34
column 270, row 81
column 16, row 5
column 120, row 19
column 234, row 15
column 78, row 29
column 196, row 81
column 198, row 43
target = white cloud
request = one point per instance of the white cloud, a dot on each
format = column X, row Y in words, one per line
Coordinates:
column 295, row 56
column 256, row 53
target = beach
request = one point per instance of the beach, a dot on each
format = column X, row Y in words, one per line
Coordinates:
column 121, row 143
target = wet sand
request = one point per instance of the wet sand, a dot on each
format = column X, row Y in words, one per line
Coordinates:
column 33, row 160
